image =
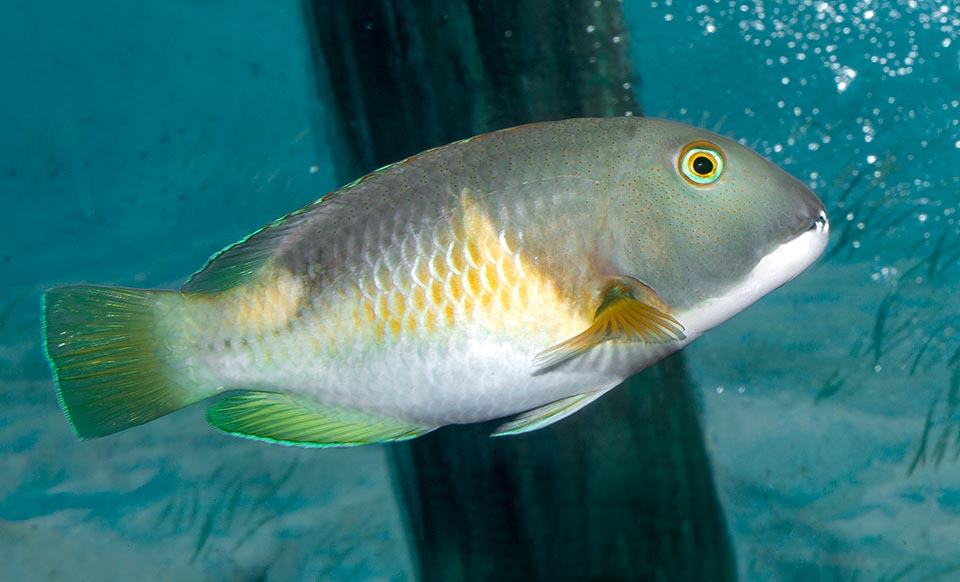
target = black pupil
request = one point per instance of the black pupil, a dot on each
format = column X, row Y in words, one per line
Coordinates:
column 702, row 165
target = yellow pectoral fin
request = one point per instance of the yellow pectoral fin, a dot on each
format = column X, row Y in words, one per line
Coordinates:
column 629, row 311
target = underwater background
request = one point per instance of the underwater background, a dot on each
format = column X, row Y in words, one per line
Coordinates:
column 816, row 436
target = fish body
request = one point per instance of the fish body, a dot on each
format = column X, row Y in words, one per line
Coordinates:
column 528, row 270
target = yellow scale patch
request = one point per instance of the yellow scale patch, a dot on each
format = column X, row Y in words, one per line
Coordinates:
column 254, row 311
column 470, row 275
column 274, row 300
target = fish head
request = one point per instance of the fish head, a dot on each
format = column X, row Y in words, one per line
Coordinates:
column 710, row 224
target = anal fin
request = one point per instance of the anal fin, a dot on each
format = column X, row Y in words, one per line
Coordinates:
column 290, row 420
column 546, row 415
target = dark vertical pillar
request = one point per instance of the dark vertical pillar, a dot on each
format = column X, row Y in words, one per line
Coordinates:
column 406, row 75
column 623, row 489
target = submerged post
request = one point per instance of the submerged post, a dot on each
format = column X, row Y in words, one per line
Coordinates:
column 620, row 491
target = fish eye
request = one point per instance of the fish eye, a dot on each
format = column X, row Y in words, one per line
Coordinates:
column 701, row 163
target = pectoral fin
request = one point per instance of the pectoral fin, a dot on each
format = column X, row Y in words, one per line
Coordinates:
column 629, row 311
column 546, row 415
column 288, row 420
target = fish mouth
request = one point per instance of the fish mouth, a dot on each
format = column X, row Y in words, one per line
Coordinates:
column 809, row 216
column 818, row 228
column 820, row 223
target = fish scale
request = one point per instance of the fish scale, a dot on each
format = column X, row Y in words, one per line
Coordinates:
column 524, row 271
column 381, row 307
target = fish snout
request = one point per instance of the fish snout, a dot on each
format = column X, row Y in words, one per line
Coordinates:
column 809, row 234
column 810, row 216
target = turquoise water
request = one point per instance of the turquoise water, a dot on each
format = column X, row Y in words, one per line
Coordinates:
column 140, row 138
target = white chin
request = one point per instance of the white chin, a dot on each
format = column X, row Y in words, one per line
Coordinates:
column 783, row 264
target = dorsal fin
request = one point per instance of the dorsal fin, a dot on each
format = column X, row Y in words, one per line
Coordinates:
column 238, row 263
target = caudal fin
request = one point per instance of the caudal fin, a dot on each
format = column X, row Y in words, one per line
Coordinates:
column 107, row 358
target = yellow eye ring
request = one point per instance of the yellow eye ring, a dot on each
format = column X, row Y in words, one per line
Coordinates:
column 701, row 163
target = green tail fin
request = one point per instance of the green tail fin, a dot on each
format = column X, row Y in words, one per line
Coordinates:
column 103, row 350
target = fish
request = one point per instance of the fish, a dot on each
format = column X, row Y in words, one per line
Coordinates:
column 522, row 273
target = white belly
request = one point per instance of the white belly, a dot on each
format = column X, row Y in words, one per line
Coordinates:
column 432, row 384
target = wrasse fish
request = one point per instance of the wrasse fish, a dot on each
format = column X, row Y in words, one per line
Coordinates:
column 522, row 272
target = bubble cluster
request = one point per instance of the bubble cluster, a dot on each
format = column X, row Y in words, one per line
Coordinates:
column 833, row 33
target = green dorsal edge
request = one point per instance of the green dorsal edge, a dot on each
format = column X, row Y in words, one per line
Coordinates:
column 236, row 264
